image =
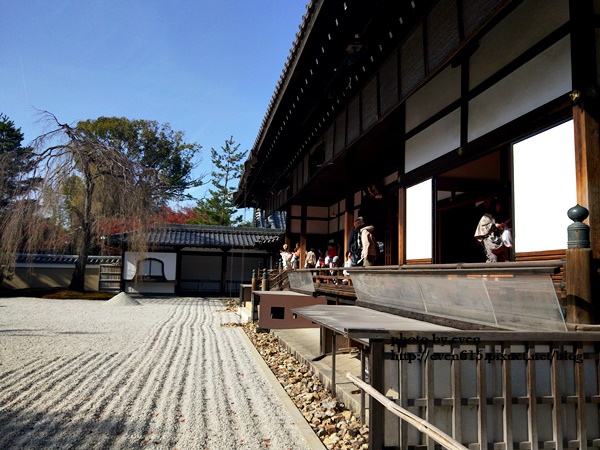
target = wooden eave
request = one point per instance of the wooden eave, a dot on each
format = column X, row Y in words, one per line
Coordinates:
column 339, row 47
column 337, row 42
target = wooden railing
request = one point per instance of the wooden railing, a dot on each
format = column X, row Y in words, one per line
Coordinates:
column 278, row 280
column 422, row 425
column 500, row 390
column 339, row 285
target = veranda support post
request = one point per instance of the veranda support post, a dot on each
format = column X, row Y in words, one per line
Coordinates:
column 579, row 305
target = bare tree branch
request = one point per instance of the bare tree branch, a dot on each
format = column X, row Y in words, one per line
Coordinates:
column 81, row 182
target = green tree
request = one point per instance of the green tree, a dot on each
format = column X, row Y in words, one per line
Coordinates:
column 15, row 162
column 152, row 146
column 219, row 208
column 107, row 168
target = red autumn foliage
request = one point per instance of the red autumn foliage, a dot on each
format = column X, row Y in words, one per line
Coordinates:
column 183, row 214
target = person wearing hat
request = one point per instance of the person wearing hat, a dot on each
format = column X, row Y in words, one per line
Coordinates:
column 369, row 250
column 286, row 258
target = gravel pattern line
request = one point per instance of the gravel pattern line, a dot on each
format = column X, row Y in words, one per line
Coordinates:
column 84, row 374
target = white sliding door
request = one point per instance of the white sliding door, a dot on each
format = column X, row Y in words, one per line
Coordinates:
column 544, row 189
column 419, row 221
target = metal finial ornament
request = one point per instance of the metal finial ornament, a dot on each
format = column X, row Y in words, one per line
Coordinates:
column 578, row 233
column 578, row 213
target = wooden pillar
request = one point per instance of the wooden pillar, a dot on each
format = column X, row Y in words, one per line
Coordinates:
column 587, row 163
column 349, row 213
column 348, row 225
column 376, row 409
column 303, row 243
column 362, row 378
column 482, row 409
column 428, row 374
column 265, row 280
column 401, row 189
column 288, row 227
column 586, row 122
column 401, row 226
column 507, row 397
column 254, row 281
column 333, row 366
column 435, row 250
column 580, row 304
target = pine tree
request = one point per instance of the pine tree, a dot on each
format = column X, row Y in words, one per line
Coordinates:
column 15, row 163
column 218, row 208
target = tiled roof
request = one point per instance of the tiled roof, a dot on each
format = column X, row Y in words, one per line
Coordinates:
column 275, row 219
column 211, row 236
column 65, row 259
column 301, row 34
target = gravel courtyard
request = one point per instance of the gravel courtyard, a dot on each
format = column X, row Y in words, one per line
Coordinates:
column 163, row 373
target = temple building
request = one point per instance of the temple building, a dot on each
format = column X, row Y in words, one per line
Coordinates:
column 412, row 113
column 417, row 115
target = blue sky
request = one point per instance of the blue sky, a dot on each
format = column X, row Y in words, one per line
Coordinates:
column 207, row 67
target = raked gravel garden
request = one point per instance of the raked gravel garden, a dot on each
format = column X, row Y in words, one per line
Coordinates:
column 165, row 373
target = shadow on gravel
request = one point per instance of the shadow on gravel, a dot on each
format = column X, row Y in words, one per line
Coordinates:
column 54, row 293
column 42, row 332
column 20, row 330
column 22, row 428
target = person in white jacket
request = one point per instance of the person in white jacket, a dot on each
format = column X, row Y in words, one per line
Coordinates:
column 489, row 234
column 369, row 244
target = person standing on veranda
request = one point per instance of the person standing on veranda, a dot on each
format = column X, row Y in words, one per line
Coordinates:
column 369, row 244
column 311, row 259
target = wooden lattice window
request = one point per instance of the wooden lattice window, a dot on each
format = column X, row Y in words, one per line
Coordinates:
column 151, row 269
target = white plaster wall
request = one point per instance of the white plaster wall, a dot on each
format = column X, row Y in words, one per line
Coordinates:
column 131, row 259
column 390, row 178
column 296, row 210
column 317, row 226
column 333, row 209
column 334, row 225
column 433, row 97
column 434, row 141
column 507, row 40
column 295, row 225
column 542, row 79
column 317, row 211
column 149, row 288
